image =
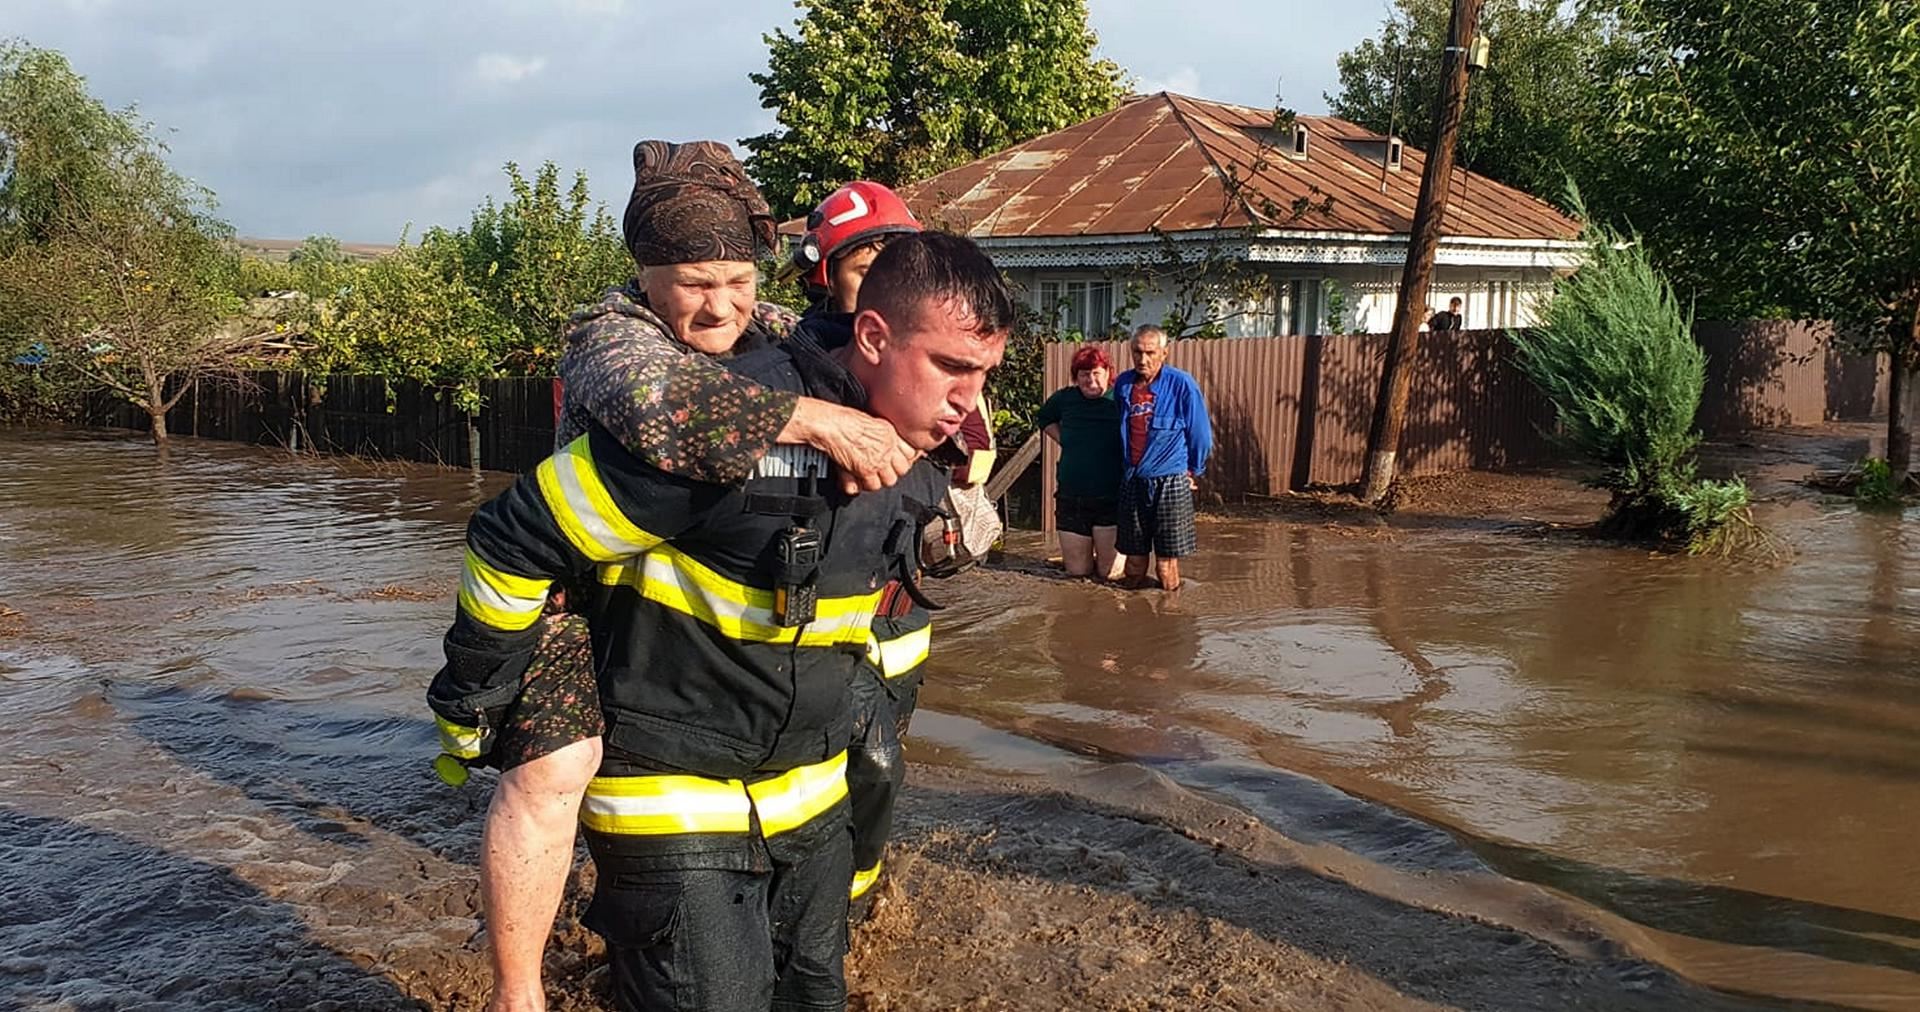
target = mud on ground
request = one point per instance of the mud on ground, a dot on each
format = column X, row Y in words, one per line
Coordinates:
column 1126, row 892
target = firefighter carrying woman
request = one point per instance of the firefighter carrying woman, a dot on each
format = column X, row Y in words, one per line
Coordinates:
column 701, row 722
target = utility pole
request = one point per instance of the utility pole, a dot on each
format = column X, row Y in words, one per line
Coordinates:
column 1403, row 345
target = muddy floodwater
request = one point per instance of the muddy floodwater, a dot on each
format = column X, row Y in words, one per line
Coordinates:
column 210, row 691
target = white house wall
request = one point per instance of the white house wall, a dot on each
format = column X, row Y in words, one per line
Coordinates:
column 1492, row 297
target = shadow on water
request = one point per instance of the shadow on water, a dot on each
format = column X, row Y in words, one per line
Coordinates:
column 1720, row 913
column 84, row 908
column 334, row 772
column 1309, row 811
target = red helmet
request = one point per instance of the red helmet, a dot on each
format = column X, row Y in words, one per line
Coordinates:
column 856, row 213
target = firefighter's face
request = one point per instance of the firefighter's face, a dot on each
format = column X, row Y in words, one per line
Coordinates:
column 708, row 304
column 846, row 274
column 924, row 374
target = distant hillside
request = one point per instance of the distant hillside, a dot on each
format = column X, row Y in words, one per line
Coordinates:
column 281, row 249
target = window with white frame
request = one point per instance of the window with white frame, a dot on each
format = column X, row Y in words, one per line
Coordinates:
column 1249, row 315
column 1078, row 305
column 1503, row 303
column 1299, row 309
column 1290, row 306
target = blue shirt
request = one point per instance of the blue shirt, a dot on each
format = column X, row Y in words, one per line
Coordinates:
column 1179, row 435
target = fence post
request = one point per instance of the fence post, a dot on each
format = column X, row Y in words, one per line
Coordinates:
column 473, row 441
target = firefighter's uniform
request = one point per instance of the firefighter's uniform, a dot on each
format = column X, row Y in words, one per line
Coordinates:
column 720, row 821
column 884, row 696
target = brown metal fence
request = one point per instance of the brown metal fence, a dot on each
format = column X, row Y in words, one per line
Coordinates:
column 1290, row 412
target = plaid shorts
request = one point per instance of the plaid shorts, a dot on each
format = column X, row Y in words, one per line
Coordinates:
column 1156, row 515
column 559, row 701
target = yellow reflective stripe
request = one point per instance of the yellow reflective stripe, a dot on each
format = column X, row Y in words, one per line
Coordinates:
column 979, row 466
column 585, row 512
column 456, row 740
column 665, row 804
column 738, row 611
column 798, row 796
column 863, row 880
column 900, row 655
column 500, row 599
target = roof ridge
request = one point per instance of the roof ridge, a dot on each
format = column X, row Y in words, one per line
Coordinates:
column 1213, row 163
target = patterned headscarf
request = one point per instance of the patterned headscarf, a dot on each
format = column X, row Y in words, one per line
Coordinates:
column 693, row 202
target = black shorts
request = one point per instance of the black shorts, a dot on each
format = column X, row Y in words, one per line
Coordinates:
column 1079, row 514
column 1156, row 516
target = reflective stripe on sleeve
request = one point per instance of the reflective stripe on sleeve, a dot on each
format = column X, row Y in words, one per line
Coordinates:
column 898, row 657
column 585, row 512
column 864, row 879
column 500, row 599
column 456, row 740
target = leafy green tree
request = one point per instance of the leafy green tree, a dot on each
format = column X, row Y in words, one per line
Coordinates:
column 897, row 90
column 1539, row 112
column 537, row 257
column 1769, row 151
column 57, row 142
column 414, row 313
column 111, row 264
column 129, row 289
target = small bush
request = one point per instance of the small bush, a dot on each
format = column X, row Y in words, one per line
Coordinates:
column 1876, row 489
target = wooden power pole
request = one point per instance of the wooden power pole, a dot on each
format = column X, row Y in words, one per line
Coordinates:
column 1403, row 345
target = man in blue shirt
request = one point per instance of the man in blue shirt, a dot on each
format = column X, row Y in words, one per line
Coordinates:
column 1166, row 437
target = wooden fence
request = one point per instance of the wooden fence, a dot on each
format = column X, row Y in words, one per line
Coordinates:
column 365, row 416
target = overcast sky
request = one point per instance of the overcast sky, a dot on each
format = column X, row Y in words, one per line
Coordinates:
column 355, row 117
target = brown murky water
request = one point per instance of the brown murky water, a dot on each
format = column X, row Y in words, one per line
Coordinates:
column 210, row 663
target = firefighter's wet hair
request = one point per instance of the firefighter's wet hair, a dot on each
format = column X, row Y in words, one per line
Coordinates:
column 925, row 268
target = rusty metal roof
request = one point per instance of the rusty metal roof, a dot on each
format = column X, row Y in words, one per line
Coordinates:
column 1162, row 162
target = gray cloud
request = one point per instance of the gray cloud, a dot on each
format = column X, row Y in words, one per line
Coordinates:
column 355, row 117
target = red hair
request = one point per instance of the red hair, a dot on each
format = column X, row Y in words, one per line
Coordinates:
column 1088, row 358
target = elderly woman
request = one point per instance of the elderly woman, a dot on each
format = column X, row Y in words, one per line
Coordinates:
column 1085, row 420
column 641, row 364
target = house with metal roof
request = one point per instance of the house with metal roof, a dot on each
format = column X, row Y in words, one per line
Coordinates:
column 1272, row 227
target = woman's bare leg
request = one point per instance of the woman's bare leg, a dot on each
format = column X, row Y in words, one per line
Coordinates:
column 1106, row 560
column 1076, row 551
column 526, row 851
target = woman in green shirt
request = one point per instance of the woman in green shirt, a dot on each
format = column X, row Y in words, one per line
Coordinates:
column 1085, row 420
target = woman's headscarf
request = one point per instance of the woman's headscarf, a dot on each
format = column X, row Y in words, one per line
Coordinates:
column 693, row 202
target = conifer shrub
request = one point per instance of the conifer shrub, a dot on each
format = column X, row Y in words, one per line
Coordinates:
column 1614, row 352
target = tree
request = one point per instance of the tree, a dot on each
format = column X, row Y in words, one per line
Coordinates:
column 57, row 142
column 1615, row 354
column 538, row 257
column 414, row 313
column 897, row 90
column 1783, row 180
column 129, row 288
column 109, row 261
column 1538, row 113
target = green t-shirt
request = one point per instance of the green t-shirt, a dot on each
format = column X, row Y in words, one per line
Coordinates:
column 1090, row 462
